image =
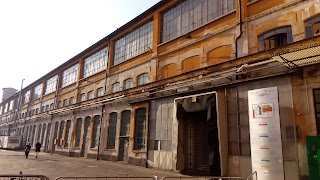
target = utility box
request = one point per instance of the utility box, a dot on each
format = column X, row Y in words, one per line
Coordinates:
column 313, row 147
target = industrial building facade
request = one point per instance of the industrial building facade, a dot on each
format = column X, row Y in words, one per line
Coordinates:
column 169, row 89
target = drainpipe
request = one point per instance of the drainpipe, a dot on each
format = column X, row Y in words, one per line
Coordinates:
column 240, row 26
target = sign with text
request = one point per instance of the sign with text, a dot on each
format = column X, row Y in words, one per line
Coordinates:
column 265, row 134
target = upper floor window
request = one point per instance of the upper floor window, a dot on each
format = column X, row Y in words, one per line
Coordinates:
column 37, row 110
column 43, row 109
column 82, row 97
column 116, row 87
column 59, row 104
column 51, row 106
column 70, row 75
column 71, row 100
column 142, row 79
column 136, row 42
column 100, row 92
column 47, row 108
column 65, row 102
column 0, row 109
column 37, row 92
column 275, row 38
column 11, row 105
column 128, row 83
column 26, row 97
column 51, row 84
column 96, row 63
column 5, row 108
column 313, row 27
column 90, row 95
column 191, row 14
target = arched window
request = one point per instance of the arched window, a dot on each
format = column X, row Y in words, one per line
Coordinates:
column 68, row 125
column 112, row 130
column 78, row 132
column 313, row 27
column 275, row 38
column 142, row 79
column 116, row 87
column 96, row 131
column 125, row 123
column 128, row 83
column 140, row 129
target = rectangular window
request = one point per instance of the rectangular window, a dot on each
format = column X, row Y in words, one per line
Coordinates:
column 316, row 97
column 112, row 131
column 128, row 83
column 142, row 79
column 11, row 105
column 71, row 101
column 5, row 108
column 37, row 92
column 275, row 38
column 136, row 42
column 100, row 92
column 313, row 27
column 51, row 85
column 26, row 97
column 115, row 87
column 82, row 97
column 70, row 75
column 125, row 123
column 78, row 132
column 190, row 14
column 65, row 102
column 61, row 131
column 96, row 63
column 140, row 129
column 59, row 104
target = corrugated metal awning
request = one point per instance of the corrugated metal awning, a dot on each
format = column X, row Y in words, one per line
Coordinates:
column 300, row 57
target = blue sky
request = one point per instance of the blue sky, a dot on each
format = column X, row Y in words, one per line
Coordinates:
column 37, row 36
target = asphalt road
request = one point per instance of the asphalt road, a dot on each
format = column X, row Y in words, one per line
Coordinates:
column 53, row 166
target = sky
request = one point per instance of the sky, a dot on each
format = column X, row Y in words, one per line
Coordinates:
column 36, row 36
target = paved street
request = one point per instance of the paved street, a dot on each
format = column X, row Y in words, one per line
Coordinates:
column 52, row 166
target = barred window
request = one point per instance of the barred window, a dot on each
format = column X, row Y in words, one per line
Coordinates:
column 37, row 92
column 100, row 92
column 136, row 42
column 128, row 83
column 112, row 131
column 140, row 129
column 70, row 75
column 82, row 97
column 142, row 79
column 116, row 87
column 78, row 132
column 51, row 85
column 26, row 97
column 90, row 95
column 96, row 63
column 65, row 102
column 96, row 132
column 191, row 14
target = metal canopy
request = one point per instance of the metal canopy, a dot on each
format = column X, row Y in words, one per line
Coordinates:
column 300, row 57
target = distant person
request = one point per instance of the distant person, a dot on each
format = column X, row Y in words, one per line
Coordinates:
column 38, row 146
column 27, row 150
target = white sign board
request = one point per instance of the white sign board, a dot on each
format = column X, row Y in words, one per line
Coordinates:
column 265, row 134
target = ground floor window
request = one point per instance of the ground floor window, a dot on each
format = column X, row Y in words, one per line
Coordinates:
column 316, row 96
column 96, row 131
column 112, row 130
column 140, row 129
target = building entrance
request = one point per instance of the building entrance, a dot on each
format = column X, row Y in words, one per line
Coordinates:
column 198, row 144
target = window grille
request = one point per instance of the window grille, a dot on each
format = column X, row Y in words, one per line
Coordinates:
column 136, row 42
column 70, row 75
column 112, row 131
column 140, row 129
column 96, row 63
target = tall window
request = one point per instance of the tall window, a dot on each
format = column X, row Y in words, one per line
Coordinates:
column 78, row 132
column 11, row 105
column 68, row 125
column 65, row 102
column 125, row 123
column 82, row 97
column 59, row 104
column 140, row 129
column 136, row 42
column 128, row 83
column 96, row 63
column 61, row 131
column 100, row 92
column 26, row 97
column 313, row 27
column 116, row 87
column 112, row 131
column 275, row 38
column 70, row 75
column 90, row 95
column 51, row 85
column 37, row 92
column 316, row 96
column 142, row 79
column 96, row 132
column 51, row 106
column 43, row 109
column 191, row 14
